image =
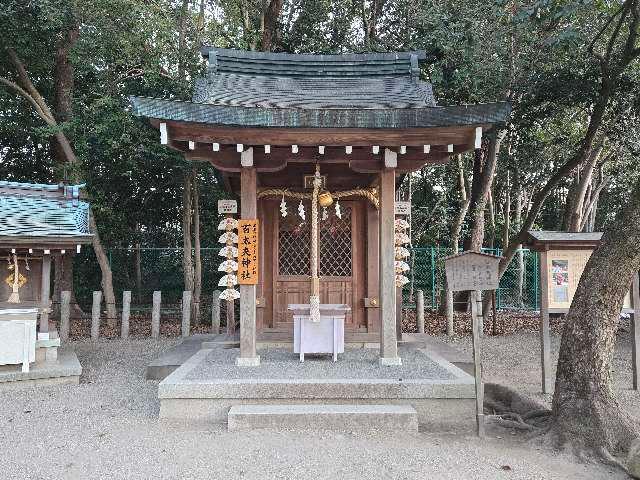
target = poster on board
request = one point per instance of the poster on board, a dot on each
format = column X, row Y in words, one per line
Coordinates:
column 560, row 280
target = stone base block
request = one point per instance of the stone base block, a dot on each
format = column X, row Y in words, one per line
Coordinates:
column 248, row 361
column 367, row 418
column 390, row 361
column 65, row 369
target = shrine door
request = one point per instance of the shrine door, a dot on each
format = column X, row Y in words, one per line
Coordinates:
column 341, row 266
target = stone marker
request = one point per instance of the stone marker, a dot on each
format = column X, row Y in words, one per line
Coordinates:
column 215, row 312
column 126, row 311
column 65, row 314
column 95, row 315
column 186, row 313
column 155, row 314
column 420, row 310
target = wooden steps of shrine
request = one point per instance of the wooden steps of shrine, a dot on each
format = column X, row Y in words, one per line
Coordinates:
column 313, row 416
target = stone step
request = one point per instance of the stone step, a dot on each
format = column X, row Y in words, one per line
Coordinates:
column 354, row 417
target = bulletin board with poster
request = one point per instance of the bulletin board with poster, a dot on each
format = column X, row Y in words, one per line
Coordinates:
column 563, row 258
column 564, row 269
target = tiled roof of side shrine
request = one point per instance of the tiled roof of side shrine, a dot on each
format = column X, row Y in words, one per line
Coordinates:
column 380, row 90
column 40, row 212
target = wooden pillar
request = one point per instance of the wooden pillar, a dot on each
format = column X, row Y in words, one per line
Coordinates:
column 476, row 319
column 373, row 270
column 635, row 330
column 388, row 340
column 248, row 211
column 545, row 341
column 45, row 294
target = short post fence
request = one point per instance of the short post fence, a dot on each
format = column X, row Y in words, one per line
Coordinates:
column 155, row 314
column 215, row 312
column 95, row 315
column 186, row 313
column 65, row 314
column 420, row 310
column 126, row 312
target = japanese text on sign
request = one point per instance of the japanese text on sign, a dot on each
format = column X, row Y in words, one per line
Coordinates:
column 472, row 271
column 247, row 252
column 227, row 207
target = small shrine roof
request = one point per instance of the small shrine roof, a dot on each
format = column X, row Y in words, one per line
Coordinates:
column 42, row 214
column 540, row 239
column 258, row 89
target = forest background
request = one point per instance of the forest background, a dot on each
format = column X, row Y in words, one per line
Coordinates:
column 568, row 158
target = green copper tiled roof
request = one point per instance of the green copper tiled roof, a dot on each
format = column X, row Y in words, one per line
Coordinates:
column 316, row 91
column 38, row 211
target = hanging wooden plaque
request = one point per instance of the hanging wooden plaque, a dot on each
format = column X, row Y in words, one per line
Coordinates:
column 248, row 252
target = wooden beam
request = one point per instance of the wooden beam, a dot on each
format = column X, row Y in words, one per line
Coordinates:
column 227, row 159
column 206, row 133
column 635, row 330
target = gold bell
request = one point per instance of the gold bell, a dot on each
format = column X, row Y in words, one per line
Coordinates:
column 325, row 199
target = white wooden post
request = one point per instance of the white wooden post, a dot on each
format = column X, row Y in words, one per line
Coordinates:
column 126, row 313
column 545, row 341
column 186, row 313
column 476, row 314
column 215, row 312
column 420, row 310
column 65, row 314
column 155, row 314
column 95, row 315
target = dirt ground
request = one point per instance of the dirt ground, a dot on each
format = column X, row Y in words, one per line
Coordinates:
column 108, row 428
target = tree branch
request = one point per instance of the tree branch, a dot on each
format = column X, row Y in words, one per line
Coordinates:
column 29, row 98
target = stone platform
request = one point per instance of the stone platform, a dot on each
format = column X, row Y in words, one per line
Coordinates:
column 207, row 385
column 65, row 369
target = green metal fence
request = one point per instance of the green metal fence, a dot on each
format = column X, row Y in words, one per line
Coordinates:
column 161, row 269
column 518, row 287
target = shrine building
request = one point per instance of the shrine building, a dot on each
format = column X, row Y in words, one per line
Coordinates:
column 268, row 121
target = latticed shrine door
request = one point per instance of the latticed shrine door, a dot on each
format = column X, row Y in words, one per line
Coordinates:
column 338, row 248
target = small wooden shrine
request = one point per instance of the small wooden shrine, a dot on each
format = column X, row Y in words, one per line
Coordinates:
column 314, row 146
column 37, row 223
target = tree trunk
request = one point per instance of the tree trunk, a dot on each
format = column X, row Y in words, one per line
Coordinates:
column 483, row 173
column 105, row 268
column 270, row 17
column 577, row 195
column 584, row 405
column 187, row 259
column 138, row 266
column 197, row 273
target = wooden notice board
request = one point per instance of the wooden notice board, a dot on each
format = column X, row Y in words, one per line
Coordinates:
column 248, row 252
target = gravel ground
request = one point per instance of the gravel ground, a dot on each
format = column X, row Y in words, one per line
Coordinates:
column 280, row 363
column 514, row 360
column 107, row 428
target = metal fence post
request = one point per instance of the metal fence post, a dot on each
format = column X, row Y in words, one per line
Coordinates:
column 433, row 279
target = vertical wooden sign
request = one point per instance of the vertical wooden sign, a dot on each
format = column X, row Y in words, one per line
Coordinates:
column 247, row 252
